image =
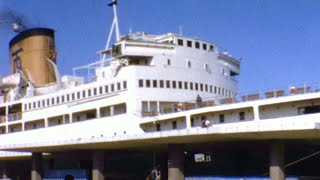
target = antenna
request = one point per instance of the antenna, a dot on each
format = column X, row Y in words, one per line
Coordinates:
column 180, row 30
column 114, row 26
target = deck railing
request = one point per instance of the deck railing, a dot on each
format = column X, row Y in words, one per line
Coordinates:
column 243, row 97
column 14, row 117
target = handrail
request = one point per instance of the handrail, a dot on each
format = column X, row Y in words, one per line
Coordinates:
column 246, row 97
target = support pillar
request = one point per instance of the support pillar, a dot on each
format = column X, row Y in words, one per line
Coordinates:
column 98, row 165
column 176, row 162
column 36, row 171
column 276, row 170
column 256, row 112
column 164, row 166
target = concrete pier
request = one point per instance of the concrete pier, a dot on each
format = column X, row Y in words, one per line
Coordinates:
column 98, row 165
column 36, row 171
column 276, row 161
column 176, row 162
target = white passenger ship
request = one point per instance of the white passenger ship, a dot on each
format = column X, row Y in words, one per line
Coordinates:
column 146, row 90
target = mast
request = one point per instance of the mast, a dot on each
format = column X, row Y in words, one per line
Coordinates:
column 114, row 26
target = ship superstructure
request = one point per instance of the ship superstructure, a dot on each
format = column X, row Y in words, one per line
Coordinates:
column 153, row 92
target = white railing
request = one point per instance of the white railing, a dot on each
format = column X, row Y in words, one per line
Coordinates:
column 243, row 97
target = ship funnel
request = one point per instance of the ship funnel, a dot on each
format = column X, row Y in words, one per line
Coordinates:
column 29, row 53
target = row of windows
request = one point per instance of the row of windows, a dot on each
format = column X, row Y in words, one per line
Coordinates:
column 76, row 95
column 184, row 85
column 221, row 120
column 195, row 44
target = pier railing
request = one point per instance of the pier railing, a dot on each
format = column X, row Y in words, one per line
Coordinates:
column 242, row 97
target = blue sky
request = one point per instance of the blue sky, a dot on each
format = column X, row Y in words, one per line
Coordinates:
column 278, row 41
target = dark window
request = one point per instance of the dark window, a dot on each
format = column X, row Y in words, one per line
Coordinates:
column 161, row 84
column 168, row 84
column 221, row 118
column 89, row 92
column 106, row 89
column 140, row 83
column 215, row 89
column 118, row 86
column 241, row 116
column 158, row 127
column 180, row 42
column 43, row 103
column 191, row 86
column 95, row 91
column 155, row 84
column 211, row 48
column 62, row 99
column 185, row 85
column 201, row 87
column 39, row 104
column 58, row 100
column 52, row 101
column 204, row 46
column 78, row 95
column 189, row 64
column 174, row 125
column 34, row 104
column 100, row 90
column 73, row 96
column 192, row 122
column 112, row 87
column 189, row 43
column 174, row 84
column 206, row 87
column 124, row 84
column 180, row 85
column 309, row 109
column 210, row 89
column 48, row 102
column 196, row 88
column 68, row 97
column 147, row 83
column 168, row 62
column 197, row 45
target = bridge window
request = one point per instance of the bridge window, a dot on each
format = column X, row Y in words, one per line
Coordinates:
column 197, row 44
column 189, row 43
column 211, row 48
column 204, row 46
column 180, row 42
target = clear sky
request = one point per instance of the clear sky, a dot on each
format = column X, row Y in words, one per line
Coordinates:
column 278, row 40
